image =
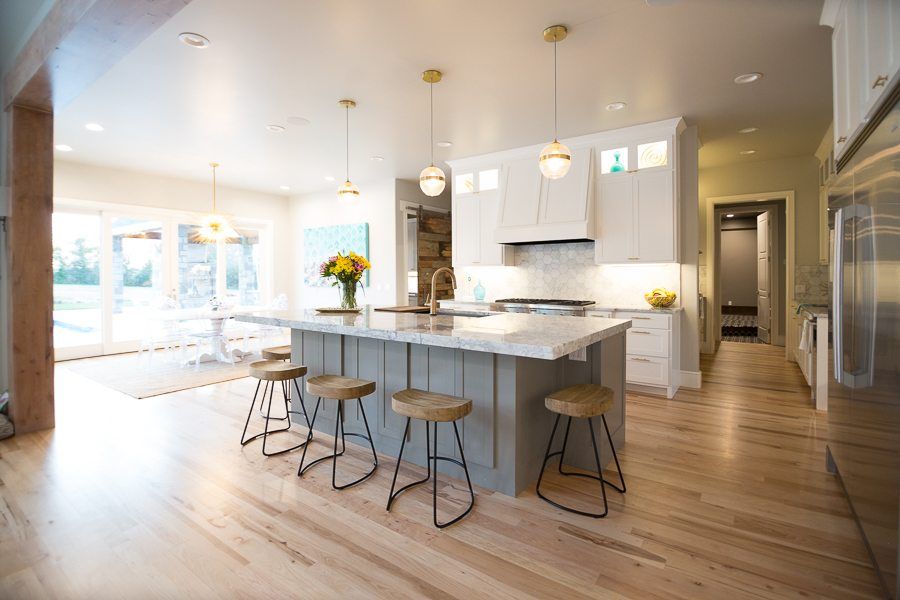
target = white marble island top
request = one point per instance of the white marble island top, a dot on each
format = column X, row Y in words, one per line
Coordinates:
column 535, row 336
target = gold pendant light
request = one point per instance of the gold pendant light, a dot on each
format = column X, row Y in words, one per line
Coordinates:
column 348, row 190
column 431, row 179
column 214, row 227
column 555, row 158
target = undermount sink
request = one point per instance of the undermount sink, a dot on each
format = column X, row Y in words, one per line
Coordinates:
column 462, row 313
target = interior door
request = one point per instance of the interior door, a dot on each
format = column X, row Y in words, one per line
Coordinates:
column 764, row 236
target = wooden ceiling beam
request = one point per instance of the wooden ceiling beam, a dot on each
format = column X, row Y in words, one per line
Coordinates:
column 77, row 42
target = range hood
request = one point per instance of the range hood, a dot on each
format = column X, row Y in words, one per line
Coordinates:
column 536, row 210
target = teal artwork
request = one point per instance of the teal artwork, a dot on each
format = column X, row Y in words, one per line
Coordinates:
column 321, row 243
column 617, row 166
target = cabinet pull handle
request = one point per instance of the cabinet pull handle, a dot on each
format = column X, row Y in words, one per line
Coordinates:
column 639, row 359
column 634, row 258
column 631, row 171
column 635, row 331
column 842, row 139
column 641, row 318
column 880, row 81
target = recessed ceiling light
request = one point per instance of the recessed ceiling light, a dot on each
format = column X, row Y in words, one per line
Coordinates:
column 93, row 126
column 275, row 128
column 63, row 147
column 298, row 121
column 748, row 129
column 194, row 40
column 615, row 106
column 329, row 178
column 443, row 144
column 376, row 158
column 284, row 187
column 748, row 78
column 729, row 216
column 747, row 152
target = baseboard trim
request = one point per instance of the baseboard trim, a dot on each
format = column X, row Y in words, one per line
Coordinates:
column 691, row 379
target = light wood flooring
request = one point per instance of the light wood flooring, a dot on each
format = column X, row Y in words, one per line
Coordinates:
column 727, row 497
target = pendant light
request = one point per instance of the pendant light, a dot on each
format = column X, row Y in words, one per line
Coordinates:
column 214, row 227
column 555, row 158
column 347, row 189
column 431, row 179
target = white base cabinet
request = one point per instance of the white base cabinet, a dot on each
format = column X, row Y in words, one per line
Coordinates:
column 652, row 358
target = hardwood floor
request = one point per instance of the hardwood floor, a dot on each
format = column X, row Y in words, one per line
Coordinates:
column 727, row 497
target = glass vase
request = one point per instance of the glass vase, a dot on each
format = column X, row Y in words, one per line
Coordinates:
column 348, row 294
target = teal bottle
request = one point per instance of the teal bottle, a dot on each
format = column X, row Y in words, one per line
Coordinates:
column 617, row 165
column 479, row 292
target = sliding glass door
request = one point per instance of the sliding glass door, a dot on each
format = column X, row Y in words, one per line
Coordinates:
column 114, row 271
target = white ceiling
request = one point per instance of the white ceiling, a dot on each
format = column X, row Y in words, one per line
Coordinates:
column 171, row 109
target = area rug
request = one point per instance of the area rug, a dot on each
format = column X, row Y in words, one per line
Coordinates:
column 129, row 374
column 739, row 328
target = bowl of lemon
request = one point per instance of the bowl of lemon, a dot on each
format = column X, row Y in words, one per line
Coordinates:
column 660, row 298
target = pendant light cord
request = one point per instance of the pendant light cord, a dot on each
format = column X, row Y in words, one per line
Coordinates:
column 214, row 190
column 431, row 92
column 555, row 118
column 347, row 147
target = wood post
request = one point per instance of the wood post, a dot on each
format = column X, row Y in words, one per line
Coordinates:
column 31, row 269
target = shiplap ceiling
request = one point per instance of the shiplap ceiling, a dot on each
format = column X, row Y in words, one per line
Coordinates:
column 168, row 108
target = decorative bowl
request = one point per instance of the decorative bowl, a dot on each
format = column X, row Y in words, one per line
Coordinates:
column 660, row 298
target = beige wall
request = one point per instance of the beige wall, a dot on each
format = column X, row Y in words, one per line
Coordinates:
column 798, row 173
column 78, row 181
column 739, row 253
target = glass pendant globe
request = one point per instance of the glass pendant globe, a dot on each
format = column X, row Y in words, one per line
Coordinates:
column 348, row 190
column 555, row 160
column 432, row 181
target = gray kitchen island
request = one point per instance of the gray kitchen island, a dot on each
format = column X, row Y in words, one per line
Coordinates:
column 506, row 363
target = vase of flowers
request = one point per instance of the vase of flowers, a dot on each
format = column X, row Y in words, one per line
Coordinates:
column 347, row 270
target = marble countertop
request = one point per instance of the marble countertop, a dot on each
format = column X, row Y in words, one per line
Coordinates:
column 487, row 306
column 535, row 336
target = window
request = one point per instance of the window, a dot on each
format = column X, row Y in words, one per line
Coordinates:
column 137, row 274
column 464, row 183
column 653, row 154
column 242, row 258
column 614, row 160
column 77, row 296
column 197, row 263
column 489, row 179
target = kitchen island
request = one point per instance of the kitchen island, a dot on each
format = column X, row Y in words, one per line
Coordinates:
column 505, row 363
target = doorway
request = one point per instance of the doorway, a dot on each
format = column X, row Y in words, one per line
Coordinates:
column 780, row 281
column 752, row 273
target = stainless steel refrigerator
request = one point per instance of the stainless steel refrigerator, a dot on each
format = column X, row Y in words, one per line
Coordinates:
column 864, row 379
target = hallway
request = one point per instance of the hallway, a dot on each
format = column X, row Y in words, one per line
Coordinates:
column 727, row 498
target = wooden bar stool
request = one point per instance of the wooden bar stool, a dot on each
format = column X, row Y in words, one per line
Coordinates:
column 277, row 353
column 433, row 408
column 584, row 401
column 272, row 372
column 336, row 387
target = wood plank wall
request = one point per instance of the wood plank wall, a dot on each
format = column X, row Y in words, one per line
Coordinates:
column 434, row 251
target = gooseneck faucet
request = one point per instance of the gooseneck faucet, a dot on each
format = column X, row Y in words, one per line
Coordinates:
column 449, row 271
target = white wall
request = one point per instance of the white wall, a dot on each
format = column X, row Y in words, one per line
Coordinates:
column 738, row 278
column 78, row 181
column 377, row 206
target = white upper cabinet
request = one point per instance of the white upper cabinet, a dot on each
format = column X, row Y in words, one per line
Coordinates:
column 536, row 209
column 474, row 216
column 615, row 220
column 865, row 59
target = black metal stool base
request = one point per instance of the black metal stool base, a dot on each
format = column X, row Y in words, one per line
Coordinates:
column 339, row 427
column 288, row 403
column 432, row 456
column 599, row 477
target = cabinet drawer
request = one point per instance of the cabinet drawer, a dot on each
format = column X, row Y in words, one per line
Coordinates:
column 600, row 313
column 647, row 342
column 646, row 369
column 646, row 320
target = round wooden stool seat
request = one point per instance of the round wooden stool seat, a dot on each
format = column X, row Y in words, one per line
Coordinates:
column 430, row 406
column 276, row 370
column 277, row 353
column 336, row 387
column 584, row 400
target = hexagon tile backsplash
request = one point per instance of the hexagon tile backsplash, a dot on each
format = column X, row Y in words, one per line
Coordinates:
column 568, row 271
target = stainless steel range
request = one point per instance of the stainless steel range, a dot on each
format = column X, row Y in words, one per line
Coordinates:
column 543, row 306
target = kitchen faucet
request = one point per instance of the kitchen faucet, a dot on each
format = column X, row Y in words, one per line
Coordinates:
column 449, row 271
